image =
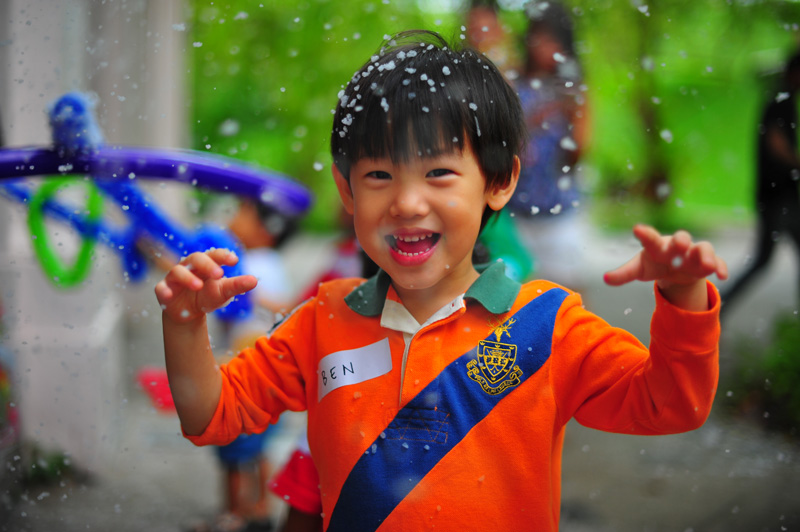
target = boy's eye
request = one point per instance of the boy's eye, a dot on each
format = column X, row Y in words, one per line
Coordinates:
column 380, row 174
column 439, row 172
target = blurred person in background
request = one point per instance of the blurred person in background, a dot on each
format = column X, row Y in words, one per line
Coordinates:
column 777, row 175
column 547, row 203
column 500, row 239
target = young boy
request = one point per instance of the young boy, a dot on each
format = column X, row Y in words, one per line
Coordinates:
column 438, row 393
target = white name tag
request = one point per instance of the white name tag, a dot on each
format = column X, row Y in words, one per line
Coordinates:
column 353, row 366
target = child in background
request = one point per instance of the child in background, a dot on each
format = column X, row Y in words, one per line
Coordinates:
column 547, row 204
column 435, row 389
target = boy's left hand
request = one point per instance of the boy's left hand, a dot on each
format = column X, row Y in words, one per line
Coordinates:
column 677, row 264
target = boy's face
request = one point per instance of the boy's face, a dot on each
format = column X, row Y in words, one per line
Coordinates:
column 419, row 221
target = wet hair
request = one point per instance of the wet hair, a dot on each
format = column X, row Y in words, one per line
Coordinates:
column 419, row 96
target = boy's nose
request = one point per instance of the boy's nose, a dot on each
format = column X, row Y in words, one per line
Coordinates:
column 409, row 202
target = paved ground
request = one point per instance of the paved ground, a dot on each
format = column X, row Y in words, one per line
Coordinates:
column 727, row 476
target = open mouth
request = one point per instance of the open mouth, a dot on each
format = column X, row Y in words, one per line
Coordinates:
column 412, row 245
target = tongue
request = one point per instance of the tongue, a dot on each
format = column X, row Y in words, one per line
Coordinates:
column 414, row 247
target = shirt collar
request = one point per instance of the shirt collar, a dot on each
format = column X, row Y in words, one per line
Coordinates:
column 494, row 290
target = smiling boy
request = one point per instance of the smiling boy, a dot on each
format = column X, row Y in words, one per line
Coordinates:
column 438, row 392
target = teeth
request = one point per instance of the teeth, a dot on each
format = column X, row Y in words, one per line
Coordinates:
column 414, row 238
column 412, row 254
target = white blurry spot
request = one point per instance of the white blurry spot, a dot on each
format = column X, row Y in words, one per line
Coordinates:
column 473, row 106
column 427, row 447
column 663, row 190
column 241, row 15
column 559, row 57
column 556, row 209
column 374, row 448
column 446, row 70
column 405, row 445
column 782, row 96
column 132, row 175
column 534, row 209
column 564, row 183
column 197, row 44
column 425, row 109
column 628, row 311
column 383, row 435
column 385, row 105
column 648, row 64
column 644, row 10
column 229, row 127
column 184, row 313
column 709, row 69
column 568, row 144
column 179, row 27
column 318, row 166
column 536, row 84
column 666, row 135
column 283, row 89
column 656, row 100
column 677, row 261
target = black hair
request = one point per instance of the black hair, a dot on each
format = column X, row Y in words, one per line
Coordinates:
column 419, row 96
column 553, row 18
column 277, row 224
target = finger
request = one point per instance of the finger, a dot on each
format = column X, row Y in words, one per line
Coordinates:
column 164, row 293
column 722, row 269
column 204, row 265
column 222, row 256
column 182, row 275
column 679, row 244
column 651, row 240
column 630, row 271
column 234, row 286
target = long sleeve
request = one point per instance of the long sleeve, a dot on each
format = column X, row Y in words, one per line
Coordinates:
column 262, row 381
column 606, row 379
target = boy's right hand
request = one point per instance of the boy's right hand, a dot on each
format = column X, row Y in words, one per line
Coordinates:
column 197, row 285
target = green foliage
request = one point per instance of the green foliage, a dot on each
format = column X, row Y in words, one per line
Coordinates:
column 764, row 380
column 674, row 89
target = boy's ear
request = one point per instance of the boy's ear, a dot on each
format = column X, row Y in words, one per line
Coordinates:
column 345, row 193
column 497, row 197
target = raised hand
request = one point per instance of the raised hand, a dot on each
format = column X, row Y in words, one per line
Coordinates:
column 196, row 285
column 675, row 262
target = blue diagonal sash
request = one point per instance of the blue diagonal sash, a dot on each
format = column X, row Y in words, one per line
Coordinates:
column 437, row 419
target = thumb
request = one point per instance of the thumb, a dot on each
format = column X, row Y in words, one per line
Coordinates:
column 235, row 286
column 626, row 273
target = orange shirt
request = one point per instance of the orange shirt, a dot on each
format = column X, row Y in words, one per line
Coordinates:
column 461, row 420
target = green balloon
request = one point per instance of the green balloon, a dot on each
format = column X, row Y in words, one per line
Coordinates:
column 61, row 275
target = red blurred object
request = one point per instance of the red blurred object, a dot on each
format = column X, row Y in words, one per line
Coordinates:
column 154, row 383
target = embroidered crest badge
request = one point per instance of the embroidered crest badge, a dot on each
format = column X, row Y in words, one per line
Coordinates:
column 495, row 366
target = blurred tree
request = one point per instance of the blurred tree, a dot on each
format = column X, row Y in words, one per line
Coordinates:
column 675, row 88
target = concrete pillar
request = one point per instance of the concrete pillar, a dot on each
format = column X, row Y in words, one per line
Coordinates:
column 71, row 346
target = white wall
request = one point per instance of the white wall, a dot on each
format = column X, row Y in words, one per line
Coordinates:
column 73, row 356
